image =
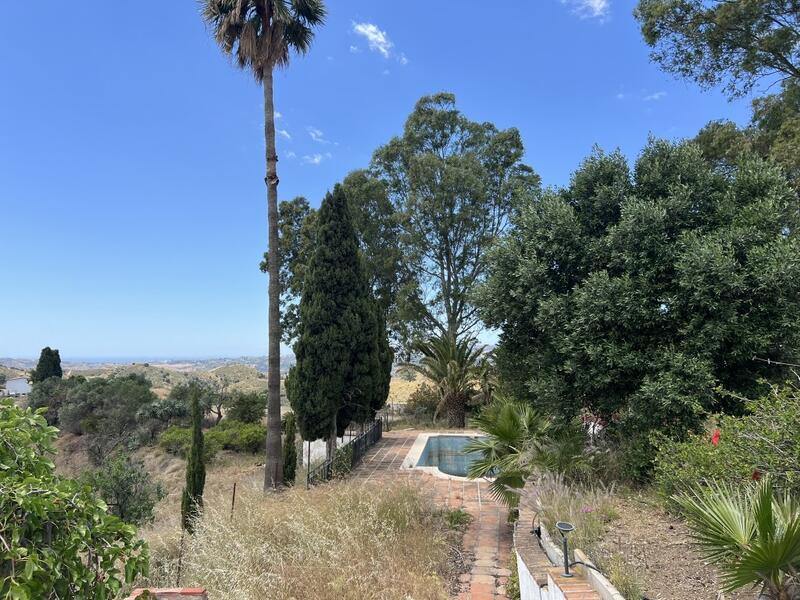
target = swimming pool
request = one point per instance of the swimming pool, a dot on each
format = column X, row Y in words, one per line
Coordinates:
column 441, row 454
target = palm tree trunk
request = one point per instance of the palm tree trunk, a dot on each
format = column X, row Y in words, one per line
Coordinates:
column 273, row 471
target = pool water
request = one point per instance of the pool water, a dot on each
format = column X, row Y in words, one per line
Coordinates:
column 446, row 452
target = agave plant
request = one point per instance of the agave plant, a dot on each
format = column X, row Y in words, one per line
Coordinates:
column 752, row 534
column 509, row 430
column 454, row 366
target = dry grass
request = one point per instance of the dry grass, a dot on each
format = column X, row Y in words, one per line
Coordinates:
column 340, row 541
column 591, row 510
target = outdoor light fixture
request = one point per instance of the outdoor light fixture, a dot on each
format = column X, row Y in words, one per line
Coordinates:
column 565, row 528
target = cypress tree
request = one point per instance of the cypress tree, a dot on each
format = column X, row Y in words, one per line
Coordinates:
column 338, row 377
column 49, row 365
column 192, row 499
column 289, row 450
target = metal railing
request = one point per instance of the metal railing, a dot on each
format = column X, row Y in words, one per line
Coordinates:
column 346, row 457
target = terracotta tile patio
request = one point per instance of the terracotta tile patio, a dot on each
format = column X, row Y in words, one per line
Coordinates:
column 488, row 537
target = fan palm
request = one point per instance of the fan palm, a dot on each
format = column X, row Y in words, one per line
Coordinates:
column 453, row 366
column 751, row 534
column 508, row 429
column 261, row 35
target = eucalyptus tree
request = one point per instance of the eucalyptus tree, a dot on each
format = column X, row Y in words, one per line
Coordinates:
column 262, row 35
column 453, row 184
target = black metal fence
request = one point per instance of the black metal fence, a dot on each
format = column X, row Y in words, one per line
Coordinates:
column 347, row 456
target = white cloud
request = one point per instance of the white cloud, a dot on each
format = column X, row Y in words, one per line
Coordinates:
column 589, row 9
column 377, row 39
column 315, row 159
column 621, row 96
column 655, row 97
column 385, row 72
column 316, row 135
column 290, row 154
column 285, row 134
column 278, row 115
column 402, row 59
column 354, row 49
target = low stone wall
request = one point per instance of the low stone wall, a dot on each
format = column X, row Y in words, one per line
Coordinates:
column 540, row 562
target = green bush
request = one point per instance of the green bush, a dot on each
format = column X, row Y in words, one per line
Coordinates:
column 289, row 449
column 51, row 525
column 239, row 437
column 178, row 441
column 764, row 441
column 422, row 402
column 246, row 408
column 127, row 488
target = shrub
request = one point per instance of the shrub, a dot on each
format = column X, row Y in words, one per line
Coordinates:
column 289, row 449
column 240, row 437
column 178, row 441
column 422, row 402
column 51, row 394
column 247, row 408
column 127, row 488
column 45, row 518
column 764, row 441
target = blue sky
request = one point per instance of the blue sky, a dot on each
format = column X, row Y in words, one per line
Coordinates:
column 131, row 150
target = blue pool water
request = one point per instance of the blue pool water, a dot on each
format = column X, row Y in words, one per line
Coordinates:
column 446, row 452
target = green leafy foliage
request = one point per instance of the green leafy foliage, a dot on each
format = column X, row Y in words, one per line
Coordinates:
column 127, row 488
column 735, row 42
column 422, row 402
column 192, row 497
column 49, row 365
column 59, row 539
column 107, row 409
column 178, row 441
column 454, row 184
column 236, row 436
column 633, row 297
column 764, row 441
column 752, row 535
column 246, row 408
column 51, row 394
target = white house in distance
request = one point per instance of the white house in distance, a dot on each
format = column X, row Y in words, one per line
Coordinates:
column 18, row 386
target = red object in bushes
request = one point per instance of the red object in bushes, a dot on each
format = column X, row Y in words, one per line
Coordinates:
column 756, row 475
column 715, row 437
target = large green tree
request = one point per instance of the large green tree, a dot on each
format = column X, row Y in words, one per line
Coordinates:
column 773, row 133
column 261, row 35
column 377, row 228
column 49, row 365
column 340, row 375
column 454, row 184
column 633, row 296
column 738, row 43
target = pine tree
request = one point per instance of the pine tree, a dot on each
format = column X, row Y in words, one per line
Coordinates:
column 339, row 376
column 192, row 500
column 289, row 450
column 49, row 365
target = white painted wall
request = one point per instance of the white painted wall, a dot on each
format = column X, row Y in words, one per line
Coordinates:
column 528, row 590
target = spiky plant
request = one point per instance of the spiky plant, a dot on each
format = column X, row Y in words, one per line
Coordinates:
column 751, row 534
column 454, row 366
column 509, row 429
column 262, row 35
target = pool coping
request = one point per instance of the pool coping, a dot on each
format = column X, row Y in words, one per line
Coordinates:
column 413, row 456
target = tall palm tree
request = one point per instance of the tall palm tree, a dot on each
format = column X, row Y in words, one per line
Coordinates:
column 261, row 35
column 751, row 534
column 455, row 367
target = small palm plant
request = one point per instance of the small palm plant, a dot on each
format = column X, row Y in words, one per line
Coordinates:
column 518, row 442
column 509, row 429
column 751, row 534
column 454, row 366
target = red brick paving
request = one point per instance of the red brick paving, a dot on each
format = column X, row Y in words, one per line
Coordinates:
column 488, row 536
